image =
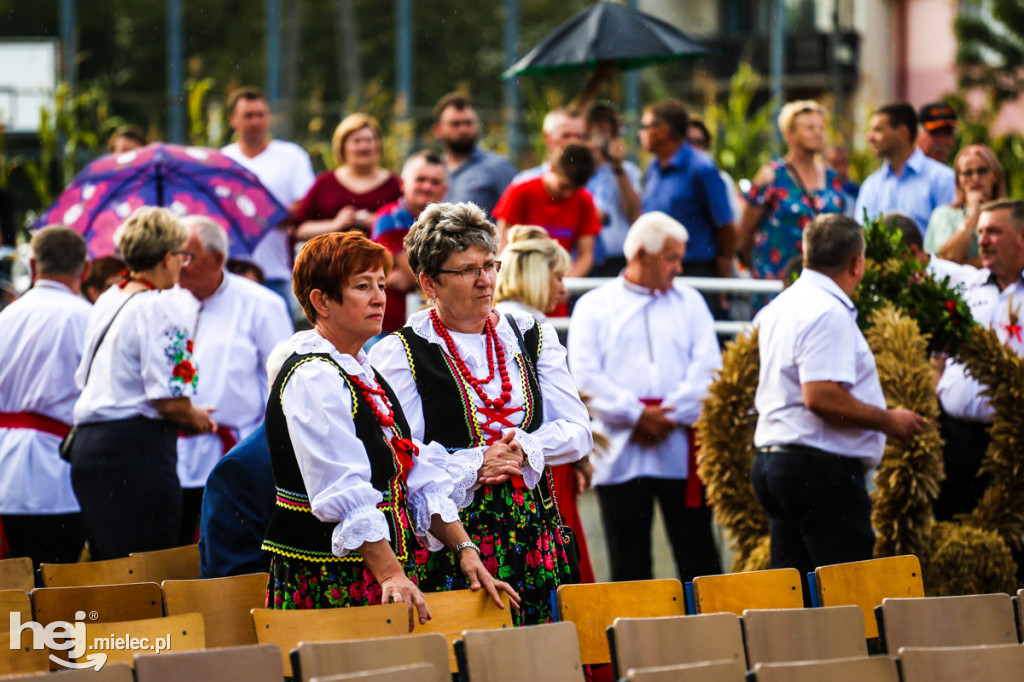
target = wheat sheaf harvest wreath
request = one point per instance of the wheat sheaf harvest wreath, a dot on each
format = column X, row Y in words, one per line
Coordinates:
column 971, row 555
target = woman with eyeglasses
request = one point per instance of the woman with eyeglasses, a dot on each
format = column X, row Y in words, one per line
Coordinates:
column 494, row 403
column 952, row 229
column 789, row 192
column 137, row 378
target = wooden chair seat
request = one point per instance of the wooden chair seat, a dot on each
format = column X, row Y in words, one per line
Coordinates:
column 257, row 663
column 100, row 603
column 592, row 608
column 176, row 563
column 857, row 669
column 178, row 633
column 991, row 663
column 736, row 592
column 323, row 659
column 111, row 572
column 675, row 640
column 707, row 671
column 454, row 612
column 226, row 605
column 26, row 659
column 17, row 574
column 541, row 653
column 402, row 673
column 947, row 621
column 867, row 583
column 112, row 672
column 786, row 635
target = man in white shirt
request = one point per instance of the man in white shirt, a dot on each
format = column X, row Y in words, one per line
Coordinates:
column 938, row 268
column 822, row 420
column 43, row 334
column 560, row 127
column 284, row 169
column 995, row 294
column 645, row 351
column 238, row 324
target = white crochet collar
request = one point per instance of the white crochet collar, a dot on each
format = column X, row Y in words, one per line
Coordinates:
column 309, row 341
column 422, row 326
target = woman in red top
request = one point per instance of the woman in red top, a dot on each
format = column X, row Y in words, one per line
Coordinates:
column 347, row 197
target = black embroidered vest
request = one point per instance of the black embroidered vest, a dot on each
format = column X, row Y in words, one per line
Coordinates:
column 293, row 531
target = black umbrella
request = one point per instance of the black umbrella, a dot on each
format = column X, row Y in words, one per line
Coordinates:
column 606, row 33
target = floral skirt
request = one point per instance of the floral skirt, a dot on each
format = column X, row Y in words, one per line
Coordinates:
column 517, row 532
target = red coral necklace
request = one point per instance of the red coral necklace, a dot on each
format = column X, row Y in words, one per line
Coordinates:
column 385, row 420
column 127, row 277
column 494, row 351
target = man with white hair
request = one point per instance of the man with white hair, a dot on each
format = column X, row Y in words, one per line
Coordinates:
column 560, row 127
column 41, row 344
column 238, row 325
column 644, row 350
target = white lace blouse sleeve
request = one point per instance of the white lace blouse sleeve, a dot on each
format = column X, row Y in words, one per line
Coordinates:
column 389, row 358
column 164, row 322
column 317, row 405
column 430, row 494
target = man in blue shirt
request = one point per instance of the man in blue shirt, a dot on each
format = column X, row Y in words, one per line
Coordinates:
column 474, row 175
column 908, row 181
column 684, row 183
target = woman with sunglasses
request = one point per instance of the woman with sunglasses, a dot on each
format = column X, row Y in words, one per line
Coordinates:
column 494, row 403
column 952, row 229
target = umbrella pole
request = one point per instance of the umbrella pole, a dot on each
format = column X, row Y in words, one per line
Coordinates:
column 592, row 89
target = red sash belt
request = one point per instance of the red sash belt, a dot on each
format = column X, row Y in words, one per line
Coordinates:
column 226, row 435
column 34, row 421
column 694, row 486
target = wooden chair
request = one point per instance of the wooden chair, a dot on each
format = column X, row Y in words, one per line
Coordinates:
column 857, row 669
column 26, row 659
column 287, row 628
column 454, row 612
column 541, row 653
column 116, row 672
column 176, row 563
column 990, row 662
column 735, row 592
column 226, row 605
column 947, row 621
column 707, row 671
column 593, row 607
column 257, row 663
column 675, row 640
column 402, row 673
column 17, row 574
column 786, row 635
column 323, row 659
column 111, row 572
column 1018, row 603
column 100, row 603
column 177, row 633
column 867, row 583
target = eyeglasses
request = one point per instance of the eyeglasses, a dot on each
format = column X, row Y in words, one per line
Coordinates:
column 473, row 273
column 186, row 256
column 971, row 172
column 652, row 124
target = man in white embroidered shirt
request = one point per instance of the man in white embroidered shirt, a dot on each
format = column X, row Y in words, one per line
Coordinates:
column 239, row 324
column 644, row 349
column 42, row 336
column 822, row 419
column 995, row 294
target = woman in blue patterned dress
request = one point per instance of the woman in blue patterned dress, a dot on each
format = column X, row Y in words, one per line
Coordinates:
column 789, row 192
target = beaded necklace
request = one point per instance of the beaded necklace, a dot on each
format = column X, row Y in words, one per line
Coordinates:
column 127, row 277
column 493, row 349
column 404, row 448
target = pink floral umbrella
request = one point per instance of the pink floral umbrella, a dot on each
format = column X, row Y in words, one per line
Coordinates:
column 187, row 180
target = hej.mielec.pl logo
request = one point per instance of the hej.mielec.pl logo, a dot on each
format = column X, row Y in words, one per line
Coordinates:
column 58, row 636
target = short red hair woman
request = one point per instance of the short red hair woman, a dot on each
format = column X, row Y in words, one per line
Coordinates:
column 357, row 511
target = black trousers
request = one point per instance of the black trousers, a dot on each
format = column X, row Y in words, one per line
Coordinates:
column 818, row 508
column 45, row 538
column 191, row 509
column 964, row 448
column 627, row 512
column 124, row 475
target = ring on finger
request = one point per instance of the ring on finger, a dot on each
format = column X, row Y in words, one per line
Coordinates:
column 396, row 597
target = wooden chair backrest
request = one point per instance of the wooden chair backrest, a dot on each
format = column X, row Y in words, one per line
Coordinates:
column 707, row 671
column 949, row 621
column 180, row 633
column 100, row 603
column 867, row 583
column 542, row 653
column 857, row 669
column 401, row 673
column 786, row 635
column 114, row 672
column 256, row 663
column 17, row 574
column 735, row 592
column 322, row 659
column 675, row 640
column 593, row 607
column 26, row 659
column 110, row 572
column 176, row 563
column 287, row 628
column 454, row 612
column 226, row 605
column 989, row 662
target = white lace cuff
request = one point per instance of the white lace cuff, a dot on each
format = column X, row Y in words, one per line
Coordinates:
column 424, row 508
column 534, row 457
column 366, row 524
column 464, row 468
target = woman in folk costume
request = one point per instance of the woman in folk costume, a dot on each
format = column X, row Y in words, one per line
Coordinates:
column 495, row 392
column 353, row 492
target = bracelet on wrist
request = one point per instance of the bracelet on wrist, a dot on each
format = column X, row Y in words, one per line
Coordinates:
column 468, row 544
